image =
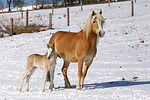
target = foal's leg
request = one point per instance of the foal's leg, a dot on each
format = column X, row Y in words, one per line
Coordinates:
column 80, row 66
column 28, row 78
column 44, row 79
column 52, row 78
column 86, row 67
column 64, row 71
column 22, row 79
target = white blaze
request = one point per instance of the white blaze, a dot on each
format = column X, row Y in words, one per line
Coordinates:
column 49, row 52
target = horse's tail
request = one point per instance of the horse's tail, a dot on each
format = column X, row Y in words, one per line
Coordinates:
column 53, row 40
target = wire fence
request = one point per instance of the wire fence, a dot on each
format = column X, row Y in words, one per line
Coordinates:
column 42, row 17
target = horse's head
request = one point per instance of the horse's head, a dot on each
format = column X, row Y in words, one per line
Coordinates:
column 95, row 24
column 50, row 51
column 97, row 21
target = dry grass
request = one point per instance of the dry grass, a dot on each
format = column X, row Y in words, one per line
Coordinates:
column 24, row 29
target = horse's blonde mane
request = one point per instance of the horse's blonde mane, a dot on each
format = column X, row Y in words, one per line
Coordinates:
column 87, row 27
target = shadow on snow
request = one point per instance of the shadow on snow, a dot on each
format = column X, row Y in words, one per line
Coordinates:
column 111, row 84
column 115, row 84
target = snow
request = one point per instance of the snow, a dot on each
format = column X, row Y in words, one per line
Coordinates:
column 123, row 53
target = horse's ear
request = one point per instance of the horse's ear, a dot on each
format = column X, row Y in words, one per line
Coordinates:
column 48, row 46
column 100, row 12
column 93, row 13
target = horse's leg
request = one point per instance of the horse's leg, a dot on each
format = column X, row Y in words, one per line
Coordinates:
column 28, row 78
column 80, row 66
column 44, row 79
column 22, row 79
column 52, row 78
column 64, row 71
column 86, row 66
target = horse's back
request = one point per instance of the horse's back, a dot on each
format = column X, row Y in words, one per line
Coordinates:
column 66, row 44
column 63, row 36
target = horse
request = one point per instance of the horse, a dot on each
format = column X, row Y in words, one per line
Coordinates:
column 46, row 62
column 79, row 47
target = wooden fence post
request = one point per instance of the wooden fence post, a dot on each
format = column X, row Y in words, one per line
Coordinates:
column 81, row 6
column 17, row 8
column 108, row 3
column 50, row 20
column 132, row 8
column 21, row 13
column 27, row 18
column 67, row 16
column 32, row 7
column 52, row 10
column 11, row 26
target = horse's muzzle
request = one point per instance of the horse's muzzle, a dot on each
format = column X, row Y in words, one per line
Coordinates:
column 48, row 58
column 101, row 33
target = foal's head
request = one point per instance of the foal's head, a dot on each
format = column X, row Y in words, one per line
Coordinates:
column 50, row 51
column 95, row 24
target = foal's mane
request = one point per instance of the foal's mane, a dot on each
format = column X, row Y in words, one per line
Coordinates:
column 87, row 29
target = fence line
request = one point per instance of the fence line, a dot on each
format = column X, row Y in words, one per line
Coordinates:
column 11, row 26
column 50, row 17
column 132, row 8
column 22, row 14
column 68, row 17
column 50, row 20
column 108, row 3
column 27, row 17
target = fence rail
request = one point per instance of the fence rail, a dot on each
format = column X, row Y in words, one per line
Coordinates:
column 48, row 17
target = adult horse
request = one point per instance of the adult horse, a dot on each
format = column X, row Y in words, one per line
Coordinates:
column 79, row 47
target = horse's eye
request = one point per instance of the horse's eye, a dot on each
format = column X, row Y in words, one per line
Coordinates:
column 94, row 22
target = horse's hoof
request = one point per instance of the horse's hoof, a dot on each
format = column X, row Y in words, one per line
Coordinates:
column 43, row 91
column 78, row 89
column 68, row 86
column 20, row 90
column 51, row 90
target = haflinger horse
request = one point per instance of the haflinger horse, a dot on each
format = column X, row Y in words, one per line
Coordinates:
column 79, row 47
column 46, row 62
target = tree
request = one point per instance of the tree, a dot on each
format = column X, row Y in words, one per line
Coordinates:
column 42, row 2
column 37, row 2
column 18, row 3
column 9, row 3
column 1, row 4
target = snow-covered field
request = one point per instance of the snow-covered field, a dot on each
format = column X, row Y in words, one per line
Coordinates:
column 120, row 70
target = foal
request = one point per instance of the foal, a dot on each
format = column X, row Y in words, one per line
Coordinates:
column 46, row 62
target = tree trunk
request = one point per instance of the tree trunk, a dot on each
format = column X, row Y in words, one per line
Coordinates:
column 9, row 7
column 64, row 3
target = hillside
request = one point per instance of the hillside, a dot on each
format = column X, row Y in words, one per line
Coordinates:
column 120, row 70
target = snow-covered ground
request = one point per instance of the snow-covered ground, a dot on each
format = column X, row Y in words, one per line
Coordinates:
column 120, row 70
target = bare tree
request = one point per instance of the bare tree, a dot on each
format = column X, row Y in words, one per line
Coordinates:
column 37, row 2
column 9, row 3
column 42, row 2
column 18, row 3
column 1, row 4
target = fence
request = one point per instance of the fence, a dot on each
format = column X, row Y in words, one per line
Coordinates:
column 45, row 19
